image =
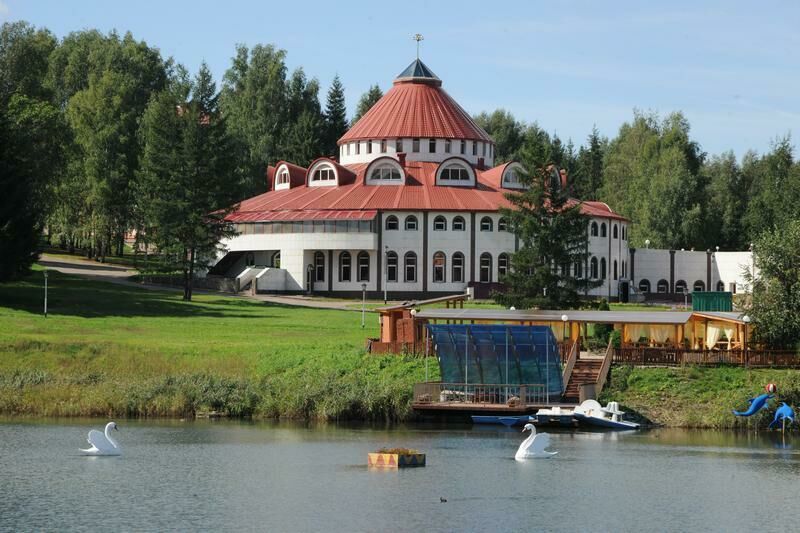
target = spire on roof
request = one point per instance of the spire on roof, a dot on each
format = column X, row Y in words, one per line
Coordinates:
column 418, row 71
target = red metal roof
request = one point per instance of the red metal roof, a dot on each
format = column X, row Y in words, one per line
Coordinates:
column 420, row 193
column 415, row 108
column 286, row 216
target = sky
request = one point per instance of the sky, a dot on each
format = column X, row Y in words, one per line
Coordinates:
column 732, row 67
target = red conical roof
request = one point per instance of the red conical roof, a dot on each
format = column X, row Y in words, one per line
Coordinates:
column 416, row 106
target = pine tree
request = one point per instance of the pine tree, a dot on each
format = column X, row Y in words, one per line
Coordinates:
column 188, row 181
column 335, row 117
column 367, row 100
column 553, row 235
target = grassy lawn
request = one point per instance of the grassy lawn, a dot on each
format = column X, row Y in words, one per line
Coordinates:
column 700, row 397
column 109, row 349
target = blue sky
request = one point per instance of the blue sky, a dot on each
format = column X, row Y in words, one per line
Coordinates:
column 732, row 67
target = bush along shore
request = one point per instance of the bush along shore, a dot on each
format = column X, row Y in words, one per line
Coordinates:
column 698, row 397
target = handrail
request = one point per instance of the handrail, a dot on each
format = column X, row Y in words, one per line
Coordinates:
column 568, row 366
column 606, row 366
column 482, row 394
column 678, row 356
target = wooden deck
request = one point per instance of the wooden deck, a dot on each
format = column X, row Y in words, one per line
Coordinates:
column 677, row 356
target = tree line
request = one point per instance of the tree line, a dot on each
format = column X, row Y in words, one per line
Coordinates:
column 102, row 136
column 654, row 173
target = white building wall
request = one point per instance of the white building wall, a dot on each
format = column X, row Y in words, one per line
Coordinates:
column 730, row 267
column 449, row 242
column 493, row 242
column 402, row 241
column 424, row 153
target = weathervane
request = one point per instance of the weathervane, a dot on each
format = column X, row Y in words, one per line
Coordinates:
column 418, row 37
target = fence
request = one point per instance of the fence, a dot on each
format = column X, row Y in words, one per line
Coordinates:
column 666, row 356
column 464, row 393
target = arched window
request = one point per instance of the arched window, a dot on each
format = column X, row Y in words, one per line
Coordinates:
column 644, row 286
column 392, row 223
column 502, row 266
column 603, row 232
column 486, row 224
column 615, row 266
column 624, row 235
column 319, row 266
column 276, row 260
column 454, row 173
column 578, row 269
column 602, row 268
column 440, row 223
column 486, row 267
column 699, row 286
column 283, row 177
column 614, row 232
column 385, row 172
column 459, row 224
column 593, row 268
column 324, row 174
column 439, row 264
column 411, row 223
column 720, row 286
column 345, row 266
column 363, row 266
column 391, row 267
column 680, row 286
column 410, row 267
column 593, row 230
column 662, row 287
column 458, row 268
column 502, row 224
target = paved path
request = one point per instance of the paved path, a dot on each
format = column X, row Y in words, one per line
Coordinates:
column 121, row 275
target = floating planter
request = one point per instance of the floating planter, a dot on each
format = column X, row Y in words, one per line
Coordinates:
column 395, row 458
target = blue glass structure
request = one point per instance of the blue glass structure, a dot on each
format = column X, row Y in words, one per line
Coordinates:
column 497, row 354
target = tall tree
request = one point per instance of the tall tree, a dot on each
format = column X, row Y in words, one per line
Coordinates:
column 31, row 141
column 587, row 178
column 335, row 117
column 188, row 181
column 255, row 102
column 775, row 306
column 367, row 100
column 506, row 131
column 304, row 128
column 553, row 235
column 652, row 175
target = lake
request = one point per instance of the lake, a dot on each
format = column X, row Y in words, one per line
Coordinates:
column 222, row 475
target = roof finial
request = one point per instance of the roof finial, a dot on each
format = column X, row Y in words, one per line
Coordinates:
column 418, row 37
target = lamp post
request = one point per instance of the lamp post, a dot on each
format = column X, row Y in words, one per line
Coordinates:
column 385, row 272
column 746, row 320
column 45, row 293
column 363, row 303
column 647, row 243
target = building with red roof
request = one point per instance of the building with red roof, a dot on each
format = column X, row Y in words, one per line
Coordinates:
column 410, row 207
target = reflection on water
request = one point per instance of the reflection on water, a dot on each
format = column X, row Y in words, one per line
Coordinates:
column 284, row 477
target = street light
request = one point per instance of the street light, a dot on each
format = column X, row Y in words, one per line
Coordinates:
column 385, row 272
column 45, row 293
column 746, row 320
column 564, row 319
column 363, row 303
column 647, row 243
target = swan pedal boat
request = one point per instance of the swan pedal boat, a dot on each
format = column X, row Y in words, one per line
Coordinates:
column 591, row 412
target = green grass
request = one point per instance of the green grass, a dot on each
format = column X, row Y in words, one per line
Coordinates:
column 107, row 349
column 698, row 396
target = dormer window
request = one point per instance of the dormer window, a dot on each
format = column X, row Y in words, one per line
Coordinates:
column 415, row 145
column 512, row 176
column 454, row 174
column 283, row 177
column 455, row 171
column 385, row 171
column 322, row 175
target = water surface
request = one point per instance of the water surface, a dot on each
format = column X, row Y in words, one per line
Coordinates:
column 283, row 477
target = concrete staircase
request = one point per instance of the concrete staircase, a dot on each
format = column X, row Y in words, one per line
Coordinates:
column 586, row 370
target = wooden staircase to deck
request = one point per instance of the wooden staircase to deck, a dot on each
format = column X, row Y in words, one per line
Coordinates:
column 586, row 370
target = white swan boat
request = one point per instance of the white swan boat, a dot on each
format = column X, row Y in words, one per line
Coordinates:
column 591, row 412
